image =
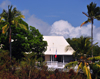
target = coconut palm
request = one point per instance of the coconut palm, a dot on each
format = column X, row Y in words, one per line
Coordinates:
column 9, row 18
column 93, row 13
column 83, row 47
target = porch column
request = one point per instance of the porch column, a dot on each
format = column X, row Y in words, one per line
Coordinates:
column 63, row 59
column 51, row 58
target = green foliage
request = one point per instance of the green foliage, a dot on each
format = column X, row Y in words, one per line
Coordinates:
column 11, row 17
column 28, row 71
column 4, row 58
column 24, row 41
column 93, row 13
column 5, row 64
column 94, row 58
column 96, row 69
column 73, row 43
column 82, row 46
column 39, row 44
column 29, row 59
column 71, row 64
column 96, row 50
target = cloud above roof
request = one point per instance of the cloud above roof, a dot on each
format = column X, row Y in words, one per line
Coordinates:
column 65, row 29
column 62, row 27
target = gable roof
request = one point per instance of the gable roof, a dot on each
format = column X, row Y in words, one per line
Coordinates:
column 57, row 44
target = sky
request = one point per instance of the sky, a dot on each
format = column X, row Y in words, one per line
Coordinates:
column 57, row 17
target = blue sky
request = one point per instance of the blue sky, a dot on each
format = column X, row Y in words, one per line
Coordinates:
column 56, row 17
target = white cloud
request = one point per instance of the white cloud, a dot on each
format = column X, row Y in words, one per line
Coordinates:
column 65, row 29
column 98, row 36
column 4, row 4
column 25, row 12
column 59, row 28
column 43, row 27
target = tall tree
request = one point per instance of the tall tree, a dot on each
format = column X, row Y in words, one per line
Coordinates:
column 9, row 18
column 93, row 13
column 30, row 40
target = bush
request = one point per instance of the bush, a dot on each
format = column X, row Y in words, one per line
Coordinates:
column 29, row 71
column 95, row 68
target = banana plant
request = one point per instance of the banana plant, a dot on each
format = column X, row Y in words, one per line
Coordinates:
column 85, row 69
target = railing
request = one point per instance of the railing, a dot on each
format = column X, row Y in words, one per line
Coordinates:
column 55, row 64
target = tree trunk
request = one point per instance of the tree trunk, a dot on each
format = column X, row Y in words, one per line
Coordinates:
column 10, row 40
column 92, row 37
column 29, row 71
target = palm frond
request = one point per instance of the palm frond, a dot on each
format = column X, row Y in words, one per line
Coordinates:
column 97, row 17
column 20, row 16
column 85, row 14
column 87, row 41
column 16, row 12
column 23, row 26
column 87, row 72
column 4, row 29
column 70, row 64
column 1, row 19
column 85, row 69
column 91, row 47
column 79, row 67
column 96, row 57
column 12, row 21
column 15, row 21
column 84, row 23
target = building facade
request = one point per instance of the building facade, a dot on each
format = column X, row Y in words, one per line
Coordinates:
column 58, row 52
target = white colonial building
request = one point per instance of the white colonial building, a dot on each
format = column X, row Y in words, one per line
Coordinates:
column 57, row 45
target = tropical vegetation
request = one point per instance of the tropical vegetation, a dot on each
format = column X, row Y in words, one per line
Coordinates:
column 85, row 62
column 30, row 40
column 82, row 47
column 25, row 45
column 93, row 13
column 9, row 18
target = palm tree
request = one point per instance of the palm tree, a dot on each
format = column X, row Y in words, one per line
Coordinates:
column 9, row 18
column 93, row 13
column 82, row 47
